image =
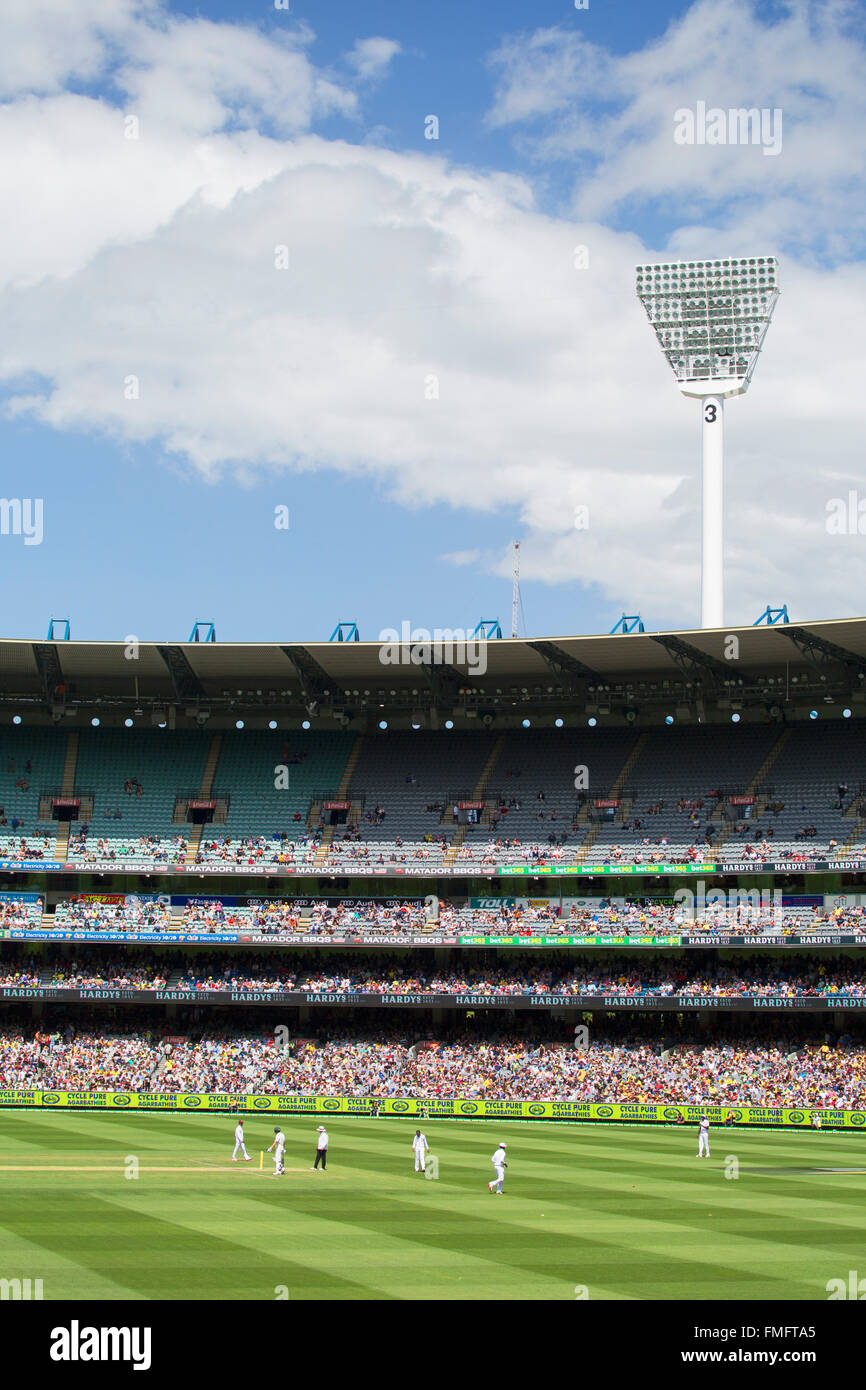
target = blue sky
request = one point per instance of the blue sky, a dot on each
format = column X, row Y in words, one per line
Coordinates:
column 411, row 262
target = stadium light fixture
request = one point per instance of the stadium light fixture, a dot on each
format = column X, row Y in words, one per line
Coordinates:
column 711, row 319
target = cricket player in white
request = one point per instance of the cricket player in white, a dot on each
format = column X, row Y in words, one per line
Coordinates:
column 278, row 1147
column 704, row 1138
column 499, row 1167
column 421, row 1148
column 239, row 1143
column 321, row 1149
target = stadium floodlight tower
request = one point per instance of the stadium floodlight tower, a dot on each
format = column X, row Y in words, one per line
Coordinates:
column 711, row 318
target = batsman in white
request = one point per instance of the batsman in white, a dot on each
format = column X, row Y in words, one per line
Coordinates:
column 278, row 1147
column 239, row 1143
column 421, row 1149
column 499, row 1167
column 704, row 1138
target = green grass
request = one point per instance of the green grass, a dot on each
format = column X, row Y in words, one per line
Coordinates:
column 627, row 1213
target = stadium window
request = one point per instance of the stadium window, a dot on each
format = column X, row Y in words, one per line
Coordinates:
column 846, row 714
column 272, row 723
column 735, row 719
column 239, row 723
column 306, row 724
column 16, row 719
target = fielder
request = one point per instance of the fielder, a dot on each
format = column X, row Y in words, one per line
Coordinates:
column 278, row 1146
column 421, row 1149
column 704, row 1138
column 499, row 1167
column 239, row 1143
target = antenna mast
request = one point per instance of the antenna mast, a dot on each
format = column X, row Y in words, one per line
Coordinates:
column 515, row 591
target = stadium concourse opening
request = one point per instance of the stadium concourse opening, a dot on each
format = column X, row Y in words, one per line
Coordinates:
column 604, row 879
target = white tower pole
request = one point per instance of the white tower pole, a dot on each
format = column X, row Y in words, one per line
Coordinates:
column 515, row 590
column 710, row 319
column 713, row 512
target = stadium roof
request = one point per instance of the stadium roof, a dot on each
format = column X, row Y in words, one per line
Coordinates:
column 750, row 664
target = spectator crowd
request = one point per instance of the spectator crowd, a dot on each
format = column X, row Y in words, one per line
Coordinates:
column 532, row 1064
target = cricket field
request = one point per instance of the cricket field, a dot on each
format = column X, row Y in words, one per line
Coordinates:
column 144, row 1206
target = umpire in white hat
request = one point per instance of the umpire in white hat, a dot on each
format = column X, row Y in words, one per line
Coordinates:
column 321, row 1150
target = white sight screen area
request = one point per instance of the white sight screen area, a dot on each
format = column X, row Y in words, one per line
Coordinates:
column 710, row 317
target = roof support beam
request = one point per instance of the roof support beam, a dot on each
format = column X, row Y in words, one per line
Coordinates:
column 821, row 653
column 185, row 682
column 444, row 681
column 563, row 665
column 48, row 665
column 314, row 679
column 693, row 662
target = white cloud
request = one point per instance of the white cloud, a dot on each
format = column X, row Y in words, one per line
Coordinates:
column 189, row 102
column 371, row 58
column 612, row 117
column 47, row 43
column 431, row 333
column 198, row 76
column 462, row 557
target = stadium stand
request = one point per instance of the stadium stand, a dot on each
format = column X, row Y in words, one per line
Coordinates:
column 248, row 769
column 332, row 972
column 287, row 917
column 314, row 818
column 670, row 794
column 764, row 1063
column 31, row 761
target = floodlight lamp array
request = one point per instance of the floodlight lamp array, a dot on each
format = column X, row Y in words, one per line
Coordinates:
column 710, row 318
